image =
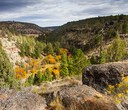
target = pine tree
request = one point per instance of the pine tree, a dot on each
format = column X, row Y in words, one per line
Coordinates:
column 103, row 57
column 29, row 81
column 71, row 66
column 125, row 28
column 38, row 78
column 49, row 49
column 79, row 61
column 117, row 50
column 48, row 75
column 57, row 47
column 64, row 65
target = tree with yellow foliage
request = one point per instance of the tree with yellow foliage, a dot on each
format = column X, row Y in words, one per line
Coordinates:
column 56, row 73
column 52, row 61
column 58, row 57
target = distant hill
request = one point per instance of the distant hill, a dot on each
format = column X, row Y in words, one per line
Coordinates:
column 87, row 34
column 23, row 27
column 52, row 28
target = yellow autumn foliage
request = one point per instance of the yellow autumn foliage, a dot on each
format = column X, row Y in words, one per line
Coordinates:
column 119, row 91
column 52, row 60
column 49, row 56
column 63, row 50
column 18, row 76
column 56, row 71
column 58, row 57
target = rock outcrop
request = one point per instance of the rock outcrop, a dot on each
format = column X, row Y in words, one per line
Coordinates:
column 65, row 94
column 10, row 100
column 82, row 98
column 102, row 75
column 70, row 94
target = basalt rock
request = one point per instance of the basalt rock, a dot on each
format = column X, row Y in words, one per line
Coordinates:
column 10, row 100
column 102, row 75
column 82, row 98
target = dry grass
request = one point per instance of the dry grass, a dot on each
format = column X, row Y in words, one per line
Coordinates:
column 56, row 104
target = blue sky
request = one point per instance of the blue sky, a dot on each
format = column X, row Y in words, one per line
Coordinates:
column 58, row 12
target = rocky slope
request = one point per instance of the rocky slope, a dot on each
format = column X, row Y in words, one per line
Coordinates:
column 66, row 94
column 11, row 50
column 9, row 46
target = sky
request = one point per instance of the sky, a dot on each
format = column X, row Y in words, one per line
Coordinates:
column 58, row 12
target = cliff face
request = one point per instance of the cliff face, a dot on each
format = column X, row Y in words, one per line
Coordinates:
column 11, row 50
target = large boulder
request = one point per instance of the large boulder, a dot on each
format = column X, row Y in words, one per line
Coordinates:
column 102, row 75
column 10, row 100
column 82, row 98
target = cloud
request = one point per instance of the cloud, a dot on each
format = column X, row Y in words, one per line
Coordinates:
column 58, row 12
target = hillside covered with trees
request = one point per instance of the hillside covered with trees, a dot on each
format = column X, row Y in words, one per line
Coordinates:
column 29, row 61
column 58, row 56
column 89, row 33
column 23, row 28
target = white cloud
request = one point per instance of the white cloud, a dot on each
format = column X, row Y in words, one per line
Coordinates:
column 58, row 12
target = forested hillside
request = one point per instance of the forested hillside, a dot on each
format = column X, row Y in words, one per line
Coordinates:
column 52, row 64
column 23, row 28
column 89, row 33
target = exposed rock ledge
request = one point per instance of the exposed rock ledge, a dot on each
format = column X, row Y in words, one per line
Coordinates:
column 68, row 94
column 102, row 75
column 23, row 100
column 85, row 98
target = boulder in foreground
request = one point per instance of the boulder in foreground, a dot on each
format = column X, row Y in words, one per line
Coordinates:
column 102, row 75
column 10, row 100
column 82, row 98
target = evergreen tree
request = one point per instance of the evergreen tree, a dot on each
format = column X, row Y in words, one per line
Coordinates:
column 125, row 28
column 49, row 49
column 71, row 66
column 57, row 47
column 103, row 57
column 48, row 75
column 38, row 49
column 38, row 78
column 117, row 50
column 64, row 65
column 79, row 61
column 30, row 81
